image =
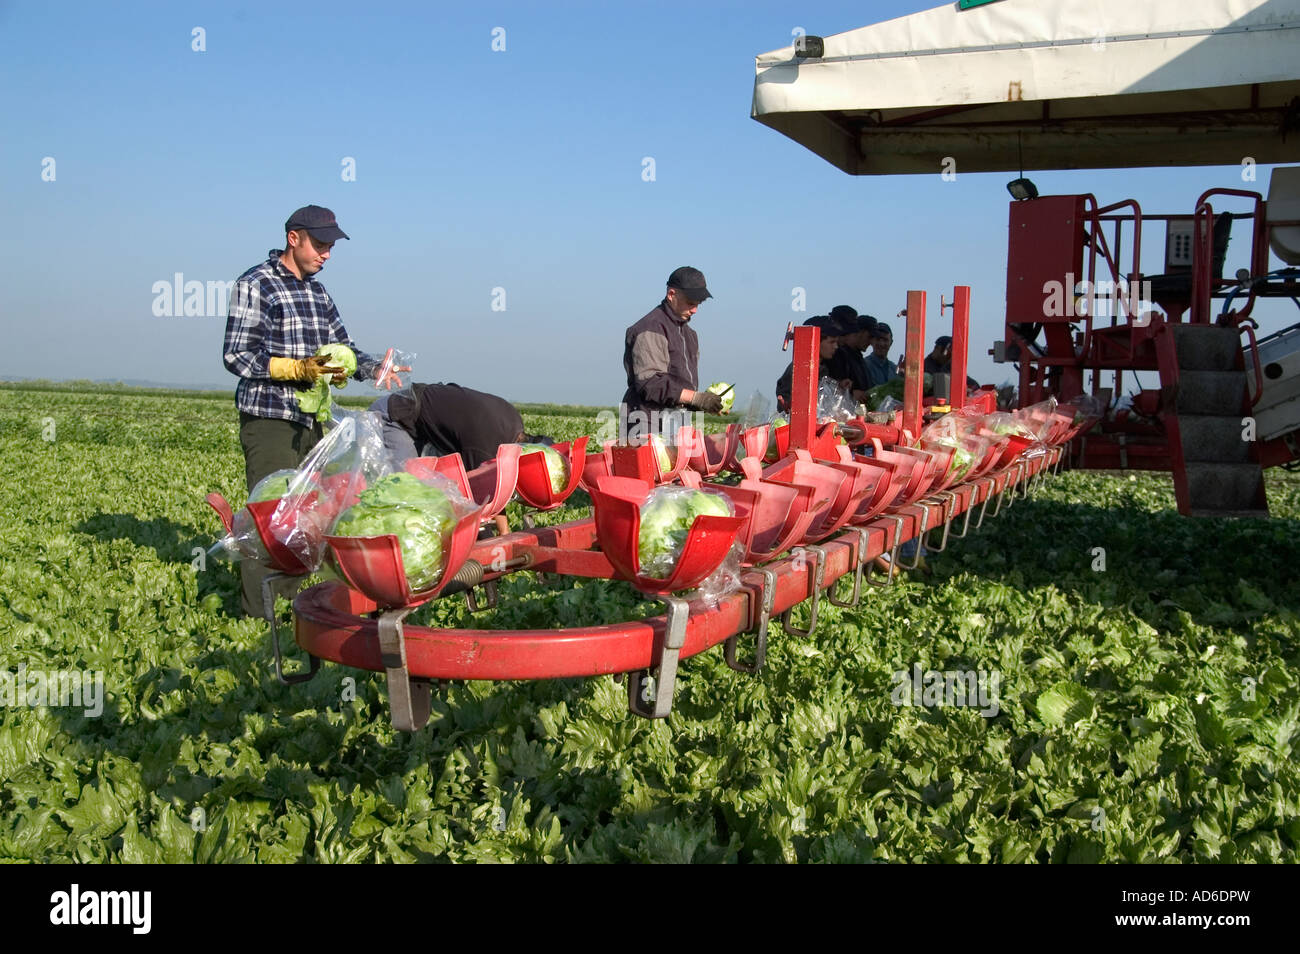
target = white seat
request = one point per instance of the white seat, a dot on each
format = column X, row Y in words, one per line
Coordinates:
column 1284, row 206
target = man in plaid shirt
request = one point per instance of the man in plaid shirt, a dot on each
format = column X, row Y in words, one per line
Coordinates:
column 279, row 316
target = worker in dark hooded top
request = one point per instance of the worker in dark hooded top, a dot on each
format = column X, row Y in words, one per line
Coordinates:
column 832, row 334
column 434, row 420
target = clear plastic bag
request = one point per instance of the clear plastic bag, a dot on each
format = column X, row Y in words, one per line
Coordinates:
column 393, row 363
column 725, row 580
column 1088, row 410
column 834, row 403
column 757, row 410
column 421, row 512
column 960, row 434
column 1037, row 417
column 310, row 498
column 667, row 514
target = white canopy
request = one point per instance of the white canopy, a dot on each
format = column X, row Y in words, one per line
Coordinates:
column 1072, row 83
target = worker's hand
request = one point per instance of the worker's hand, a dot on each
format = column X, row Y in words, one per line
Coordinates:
column 304, row 369
column 707, row 401
column 389, row 379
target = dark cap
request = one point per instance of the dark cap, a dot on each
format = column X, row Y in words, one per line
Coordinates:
column 317, row 222
column 691, row 281
column 942, row 341
column 865, row 323
column 844, row 314
column 830, row 328
column 883, row 329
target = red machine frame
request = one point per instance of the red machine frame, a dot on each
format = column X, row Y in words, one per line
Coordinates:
column 841, row 512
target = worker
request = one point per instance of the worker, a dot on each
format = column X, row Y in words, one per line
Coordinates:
column 832, row 334
column 880, row 370
column 279, row 317
column 434, row 420
column 661, row 354
column 939, row 361
column 848, row 364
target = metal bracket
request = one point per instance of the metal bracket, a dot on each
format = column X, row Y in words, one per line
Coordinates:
column 949, row 500
column 665, row 667
column 819, row 574
column 893, row 556
column 920, row 539
column 408, row 698
column 489, row 590
column 858, row 550
column 1024, row 480
column 268, row 607
column 766, row 601
column 993, row 483
column 965, row 526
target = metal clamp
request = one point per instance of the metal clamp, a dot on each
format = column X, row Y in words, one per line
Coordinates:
column 268, row 607
column 766, row 601
column 819, row 574
column 408, row 698
column 657, row 703
column 858, row 550
column 893, row 556
column 489, row 590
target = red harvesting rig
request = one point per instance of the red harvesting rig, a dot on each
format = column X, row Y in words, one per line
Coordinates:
column 1005, row 85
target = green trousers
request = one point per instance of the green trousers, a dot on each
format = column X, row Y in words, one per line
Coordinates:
column 269, row 445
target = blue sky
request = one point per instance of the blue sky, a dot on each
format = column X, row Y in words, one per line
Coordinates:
column 475, row 170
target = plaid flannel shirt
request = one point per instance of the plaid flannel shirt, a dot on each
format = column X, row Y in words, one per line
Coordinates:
column 273, row 313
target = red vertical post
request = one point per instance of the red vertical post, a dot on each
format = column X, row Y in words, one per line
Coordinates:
column 913, row 376
column 803, row 387
column 960, row 345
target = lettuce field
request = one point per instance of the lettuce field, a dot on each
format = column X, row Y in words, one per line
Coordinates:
column 1146, row 701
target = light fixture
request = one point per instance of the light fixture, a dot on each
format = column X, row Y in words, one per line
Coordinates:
column 1022, row 189
column 809, row 47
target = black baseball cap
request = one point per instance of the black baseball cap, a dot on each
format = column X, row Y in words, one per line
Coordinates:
column 865, row 323
column 844, row 314
column 830, row 327
column 316, row 221
column 883, row 329
column 691, row 281
column 942, row 341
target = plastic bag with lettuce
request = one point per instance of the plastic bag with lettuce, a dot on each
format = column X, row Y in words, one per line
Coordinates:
column 420, row 512
column 309, row 498
column 666, row 518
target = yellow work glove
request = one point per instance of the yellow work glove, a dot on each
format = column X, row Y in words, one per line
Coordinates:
column 303, row 369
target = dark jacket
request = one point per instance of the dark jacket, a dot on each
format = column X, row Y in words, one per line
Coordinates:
column 661, row 354
column 847, row 362
column 785, row 383
column 456, row 420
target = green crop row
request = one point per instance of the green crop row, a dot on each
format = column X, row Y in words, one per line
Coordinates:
column 1145, row 705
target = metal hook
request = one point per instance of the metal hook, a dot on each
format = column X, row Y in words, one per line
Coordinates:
column 819, row 574
column 893, row 556
column 664, row 667
column 268, row 607
column 859, row 549
column 766, row 601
